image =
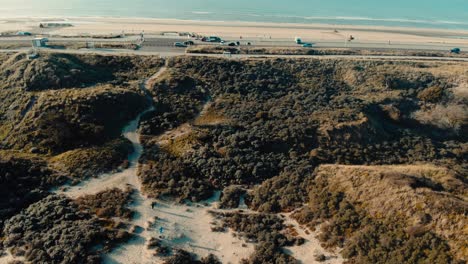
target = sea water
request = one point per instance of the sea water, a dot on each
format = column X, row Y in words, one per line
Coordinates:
column 449, row 14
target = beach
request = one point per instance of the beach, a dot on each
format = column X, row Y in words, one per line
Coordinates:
column 89, row 26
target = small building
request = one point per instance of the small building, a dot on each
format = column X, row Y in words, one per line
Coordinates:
column 40, row 42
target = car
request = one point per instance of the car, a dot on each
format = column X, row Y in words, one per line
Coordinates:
column 307, row 45
column 23, row 33
column 189, row 43
column 214, row 39
column 232, row 44
column 455, row 50
column 180, row 45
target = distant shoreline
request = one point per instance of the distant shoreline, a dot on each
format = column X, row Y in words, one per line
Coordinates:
column 235, row 30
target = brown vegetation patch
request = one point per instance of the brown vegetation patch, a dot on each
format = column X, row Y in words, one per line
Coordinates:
column 107, row 204
column 405, row 193
column 94, row 161
column 68, row 119
column 210, row 116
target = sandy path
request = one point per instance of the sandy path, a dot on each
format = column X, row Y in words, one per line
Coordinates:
column 127, row 177
column 305, row 253
column 134, row 251
column 8, row 258
column 188, row 227
column 178, row 226
column 185, row 226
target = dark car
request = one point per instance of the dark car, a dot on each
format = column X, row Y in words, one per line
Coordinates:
column 232, row 44
column 180, row 45
column 23, row 33
column 455, row 50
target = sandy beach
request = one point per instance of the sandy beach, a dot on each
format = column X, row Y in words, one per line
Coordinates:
column 236, row 30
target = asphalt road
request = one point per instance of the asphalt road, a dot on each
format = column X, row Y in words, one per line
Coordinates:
column 164, row 46
column 155, row 42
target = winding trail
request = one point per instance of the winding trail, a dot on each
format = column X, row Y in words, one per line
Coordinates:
column 134, row 251
column 186, row 226
column 179, row 226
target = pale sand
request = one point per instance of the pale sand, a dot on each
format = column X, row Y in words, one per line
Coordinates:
column 8, row 258
column 306, row 253
column 248, row 30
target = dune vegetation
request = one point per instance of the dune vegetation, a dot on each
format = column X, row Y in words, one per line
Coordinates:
column 370, row 155
column 271, row 126
column 61, row 118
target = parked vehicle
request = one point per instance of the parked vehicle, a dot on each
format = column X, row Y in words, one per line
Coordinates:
column 211, row 39
column 180, row 45
column 455, row 50
column 23, row 33
column 189, row 43
column 307, row 45
column 232, row 44
column 215, row 39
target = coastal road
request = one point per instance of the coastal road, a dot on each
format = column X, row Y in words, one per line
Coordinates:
column 154, row 43
column 164, row 47
column 172, row 52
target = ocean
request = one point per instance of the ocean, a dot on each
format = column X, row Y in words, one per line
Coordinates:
column 445, row 14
